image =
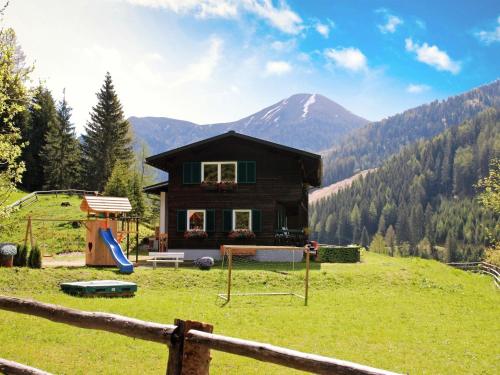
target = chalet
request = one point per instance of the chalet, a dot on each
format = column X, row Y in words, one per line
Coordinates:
column 233, row 188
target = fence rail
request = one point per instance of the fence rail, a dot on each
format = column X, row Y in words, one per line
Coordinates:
column 14, row 368
column 481, row 267
column 33, row 197
column 189, row 342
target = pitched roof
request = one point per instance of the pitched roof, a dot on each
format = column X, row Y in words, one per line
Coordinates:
column 151, row 160
column 314, row 160
column 96, row 204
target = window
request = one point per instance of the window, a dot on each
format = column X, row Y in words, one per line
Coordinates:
column 210, row 172
column 215, row 172
column 242, row 219
column 196, row 219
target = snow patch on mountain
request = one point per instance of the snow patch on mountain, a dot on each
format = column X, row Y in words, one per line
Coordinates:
column 311, row 100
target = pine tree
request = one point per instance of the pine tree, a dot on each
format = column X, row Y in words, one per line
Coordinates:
column 356, row 223
column 378, row 245
column 61, row 152
column 43, row 118
column 136, row 195
column 390, row 240
column 365, row 240
column 118, row 183
column 107, row 139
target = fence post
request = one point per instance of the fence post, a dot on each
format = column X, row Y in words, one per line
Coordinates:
column 185, row 357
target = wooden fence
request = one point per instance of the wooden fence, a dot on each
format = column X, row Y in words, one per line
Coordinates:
column 481, row 267
column 188, row 342
column 33, row 197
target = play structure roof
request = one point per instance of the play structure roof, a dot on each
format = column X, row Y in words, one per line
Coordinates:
column 93, row 203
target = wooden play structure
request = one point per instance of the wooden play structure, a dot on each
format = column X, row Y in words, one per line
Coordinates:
column 105, row 212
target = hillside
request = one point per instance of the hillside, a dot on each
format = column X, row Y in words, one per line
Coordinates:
column 400, row 314
column 425, row 193
column 306, row 121
column 327, row 191
column 369, row 146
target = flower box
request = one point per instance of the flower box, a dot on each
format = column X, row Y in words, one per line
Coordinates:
column 241, row 234
column 195, row 234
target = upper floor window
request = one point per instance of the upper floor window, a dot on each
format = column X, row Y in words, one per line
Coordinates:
column 224, row 171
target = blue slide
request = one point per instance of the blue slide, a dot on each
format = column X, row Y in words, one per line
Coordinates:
column 116, row 251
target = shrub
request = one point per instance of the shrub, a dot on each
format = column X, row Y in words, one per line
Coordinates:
column 21, row 258
column 339, row 254
column 35, row 258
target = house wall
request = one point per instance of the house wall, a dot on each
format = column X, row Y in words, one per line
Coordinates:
column 278, row 179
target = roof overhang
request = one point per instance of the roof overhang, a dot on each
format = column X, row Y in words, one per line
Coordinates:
column 156, row 188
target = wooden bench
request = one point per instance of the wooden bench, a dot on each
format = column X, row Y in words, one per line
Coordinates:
column 166, row 257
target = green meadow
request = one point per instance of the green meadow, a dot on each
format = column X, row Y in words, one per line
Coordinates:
column 407, row 315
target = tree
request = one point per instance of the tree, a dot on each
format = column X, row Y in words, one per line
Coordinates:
column 14, row 99
column 490, row 186
column 42, row 119
column 118, row 183
column 390, row 240
column 136, row 195
column 365, row 240
column 356, row 223
column 378, row 244
column 61, row 152
column 450, row 247
column 107, row 139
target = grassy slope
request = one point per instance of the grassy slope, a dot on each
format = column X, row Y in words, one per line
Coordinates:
column 410, row 315
column 52, row 237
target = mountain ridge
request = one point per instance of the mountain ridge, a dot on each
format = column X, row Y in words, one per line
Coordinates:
column 306, row 121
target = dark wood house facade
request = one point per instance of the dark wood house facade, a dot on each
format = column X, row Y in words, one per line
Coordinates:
column 233, row 182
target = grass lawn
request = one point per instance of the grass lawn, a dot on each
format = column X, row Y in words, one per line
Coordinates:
column 52, row 237
column 403, row 314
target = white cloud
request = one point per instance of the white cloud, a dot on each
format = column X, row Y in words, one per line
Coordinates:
column 284, row 46
column 348, row 58
column 280, row 17
column 202, row 70
column 488, row 37
column 278, row 68
column 433, row 56
column 392, row 22
column 414, row 88
column 323, row 29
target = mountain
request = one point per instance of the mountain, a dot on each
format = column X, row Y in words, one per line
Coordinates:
column 305, row 121
column 425, row 194
column 369, row 146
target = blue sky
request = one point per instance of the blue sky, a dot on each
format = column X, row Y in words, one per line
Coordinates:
column 219, row 60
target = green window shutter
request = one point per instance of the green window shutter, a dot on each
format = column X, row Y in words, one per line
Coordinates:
column 186, row 173
column 242, row 172
column 256, row 221
column 251, row 172
column 191, row 173
column 227, row 220
column 247, row 172
column 181, row 220
column 196, row 172
column 210, row 226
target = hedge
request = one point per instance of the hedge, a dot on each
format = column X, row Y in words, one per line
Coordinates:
column 339, row 254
